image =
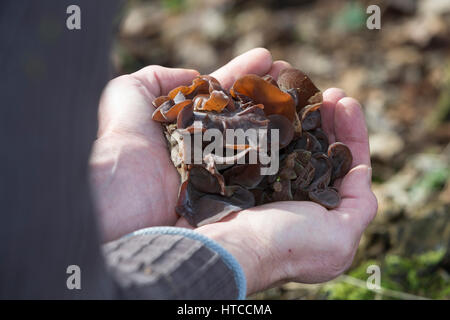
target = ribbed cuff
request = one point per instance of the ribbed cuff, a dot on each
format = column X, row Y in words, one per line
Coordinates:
column 227, row 258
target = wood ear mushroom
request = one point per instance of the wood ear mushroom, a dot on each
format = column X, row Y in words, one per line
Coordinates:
column 225, row 182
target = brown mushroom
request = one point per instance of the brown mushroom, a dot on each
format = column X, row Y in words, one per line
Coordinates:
column 285, row 127
column 303, row 156
column 159, row 101
column 201, row 208
column 270, row 80
column 310, row 117
column 301, row 195
column 221, row 185
column 216, row 101
column 203, row 180
column 322, row 175
column 185, row 117
column 213, row 83
column 199, row 85
column 282, row 191
column 322, row 138
column 260, row 196
column 171, row 114
column 258, row 90
column 303, row 88
column 287, row 170
column 164, row 106
column 246, row 175
column 304, row 176
column 251, row 117
column 341, row 159
column 327, row 197
column 308, row 142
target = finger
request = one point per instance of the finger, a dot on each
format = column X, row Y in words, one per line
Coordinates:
column 350, row 128
column 256, row 61
column 160, row 80
column 330, row 98
column 277, row 66
column 359, row 203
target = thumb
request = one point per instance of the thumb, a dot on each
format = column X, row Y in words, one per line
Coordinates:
column 358, row 200
column 126, row 102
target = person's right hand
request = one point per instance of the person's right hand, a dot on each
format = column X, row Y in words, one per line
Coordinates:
column 300, row 240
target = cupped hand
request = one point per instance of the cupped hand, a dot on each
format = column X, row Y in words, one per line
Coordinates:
column 301, row 240
column 134, row 182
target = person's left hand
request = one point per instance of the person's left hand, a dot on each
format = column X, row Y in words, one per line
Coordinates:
column 134, row 182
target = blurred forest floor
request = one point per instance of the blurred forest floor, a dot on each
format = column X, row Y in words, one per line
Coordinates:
column 401, row 75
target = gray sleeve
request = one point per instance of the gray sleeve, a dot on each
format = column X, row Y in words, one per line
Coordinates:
column 163, row 266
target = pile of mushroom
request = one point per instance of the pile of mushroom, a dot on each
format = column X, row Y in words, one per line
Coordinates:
column 211, row 189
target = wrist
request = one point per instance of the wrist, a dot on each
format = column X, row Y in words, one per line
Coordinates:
column 251, row 253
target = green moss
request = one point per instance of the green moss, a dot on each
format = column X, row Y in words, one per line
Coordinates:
column 433, row 180
column 431, row 258
column 418, row 275
column 351, row 17
column 174, row 5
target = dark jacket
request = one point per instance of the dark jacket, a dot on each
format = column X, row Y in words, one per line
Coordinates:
column 51, row 80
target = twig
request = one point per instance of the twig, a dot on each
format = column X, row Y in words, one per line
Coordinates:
column 386, row 292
